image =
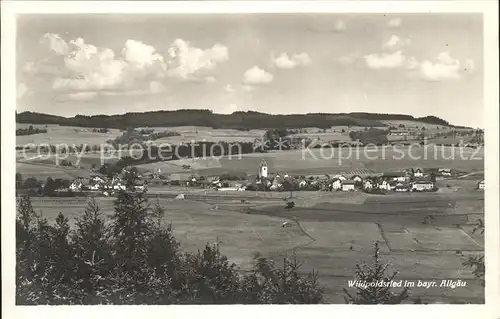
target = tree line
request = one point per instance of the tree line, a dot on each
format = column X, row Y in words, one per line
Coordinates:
column 237, row 120
column 35, row 187
column 30, row 131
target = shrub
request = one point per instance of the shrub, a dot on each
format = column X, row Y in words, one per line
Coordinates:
column 477, row 262
column 134, row 259
column 375, row 273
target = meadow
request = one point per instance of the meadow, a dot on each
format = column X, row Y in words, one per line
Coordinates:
column 67, row 135
column 330, row 234
column 336, row 161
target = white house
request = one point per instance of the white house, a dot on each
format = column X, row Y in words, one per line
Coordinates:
column 384, row 185
column 76, row 186
column 400, row 187
column 480, row 185
column 422, row 186
column 341, row 177
column 302, row 183
column 336, row 184
column 445, row 171
column 347, row 186
column 263, row 169
column 368, row 184
column 396, row 176
column 117, row 184
column 97, row 179
column 357, row 179
column 94, row 186
column 418, row 172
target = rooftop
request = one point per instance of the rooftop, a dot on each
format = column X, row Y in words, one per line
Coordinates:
column 394, row 174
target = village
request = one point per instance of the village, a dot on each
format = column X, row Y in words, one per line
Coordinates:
column 409, row 180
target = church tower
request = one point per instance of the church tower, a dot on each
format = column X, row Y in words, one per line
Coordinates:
column 263, row 169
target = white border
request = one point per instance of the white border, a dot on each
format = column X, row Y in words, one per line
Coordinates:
column 489, row 9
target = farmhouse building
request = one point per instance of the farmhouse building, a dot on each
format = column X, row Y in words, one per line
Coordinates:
column 395, row 176
column 357, row 179
column 180, row 179
column 422, row 185
column 480, row 185
column 341, row 177
column 336, row 184
column 348, row 186
column 402, row 187
column 399, row 133
column 368, row 184
column 384, row 185
column 418, row 172
column 140, row 185
column 76, row 185
column 97, row 179
column 303, row 183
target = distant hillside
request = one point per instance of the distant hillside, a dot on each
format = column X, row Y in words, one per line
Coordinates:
column 237, row 120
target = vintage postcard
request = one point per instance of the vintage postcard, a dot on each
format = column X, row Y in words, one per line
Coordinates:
column 240, row 153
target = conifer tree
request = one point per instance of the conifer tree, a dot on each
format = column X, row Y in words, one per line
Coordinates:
column 374, row 294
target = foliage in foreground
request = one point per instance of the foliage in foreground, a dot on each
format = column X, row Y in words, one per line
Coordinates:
column 477, row 262
column 375, row 273
column 134, row 259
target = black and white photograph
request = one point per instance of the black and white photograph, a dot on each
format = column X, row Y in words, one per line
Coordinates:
column 251, row 158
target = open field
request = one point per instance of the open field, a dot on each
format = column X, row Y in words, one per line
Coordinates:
column 79, row 135
column 331, row 235
column 337, row 160
column 65, row 135
column 200, row 133
column 41, row 171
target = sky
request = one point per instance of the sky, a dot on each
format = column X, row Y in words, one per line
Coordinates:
column 416, row 64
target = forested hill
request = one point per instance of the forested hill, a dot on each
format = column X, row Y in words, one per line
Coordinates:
column 236, row 120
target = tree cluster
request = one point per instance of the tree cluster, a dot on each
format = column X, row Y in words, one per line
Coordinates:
column 30, row 131
column 134, row 259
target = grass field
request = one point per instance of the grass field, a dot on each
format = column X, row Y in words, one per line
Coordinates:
column 333, row 233
column 41, row 171
column 334, row 161
column 65, row 135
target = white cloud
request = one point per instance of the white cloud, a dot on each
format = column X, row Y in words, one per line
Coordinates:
column 81, row 96
column 55, row 43
column 284, row 61
column 141, row 55
column 445, row 68
column 156, row 87
column 385, row 60
column 186, row 60
column 256, row 76
column 247, row 88
column 411, row 63
column 340, row 26
column 470, row 66
column 395, row 23
column 302, row 58
column 395, row 43
column 349, row 58
column 210, row 79
column 229, row 88
column 78, row 66
column 91, row 68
